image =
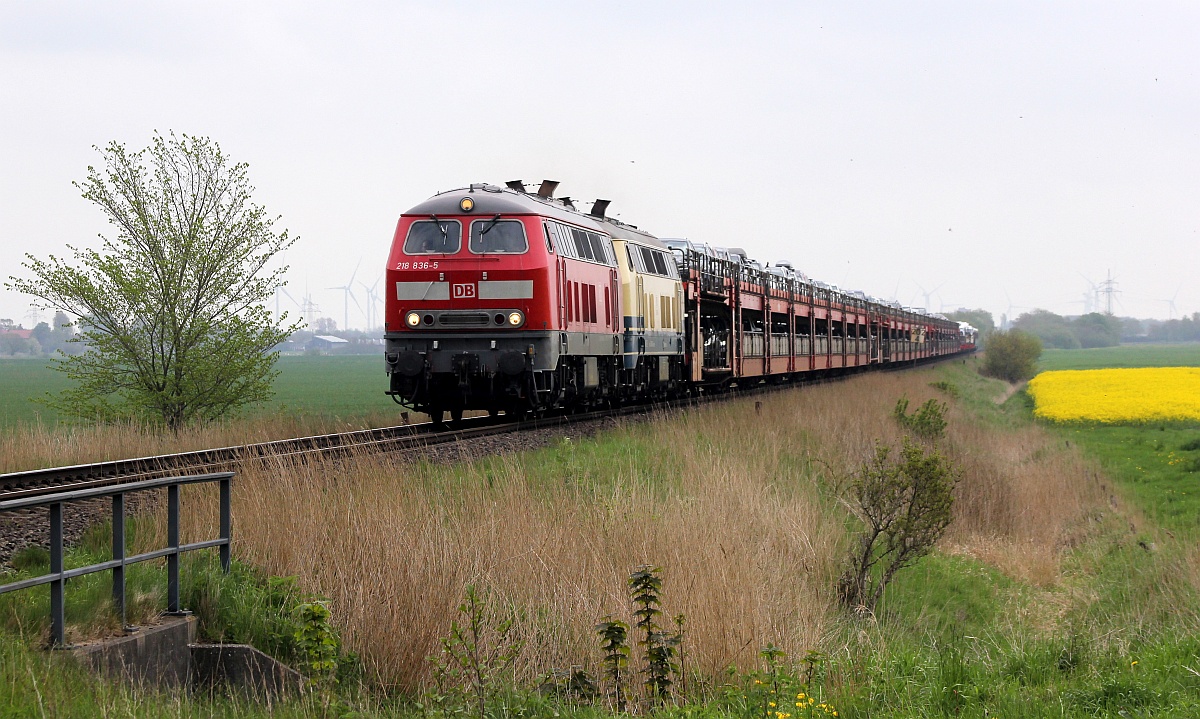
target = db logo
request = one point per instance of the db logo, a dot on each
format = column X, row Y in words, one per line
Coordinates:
column 464, row 291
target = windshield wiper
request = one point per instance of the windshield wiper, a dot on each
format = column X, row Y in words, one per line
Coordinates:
column 488, row 227
column 437, row 223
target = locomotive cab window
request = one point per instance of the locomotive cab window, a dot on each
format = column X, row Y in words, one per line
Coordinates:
column 497, row 236
column 433, row 237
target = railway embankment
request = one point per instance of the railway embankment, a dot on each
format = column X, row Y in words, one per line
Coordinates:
column 1041, row 598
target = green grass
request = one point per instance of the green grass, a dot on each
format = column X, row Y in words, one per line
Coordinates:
column 344, row 387
column 951, row 637
column 1138, row 355
column 347, row 386
column 21, row 382
column 1152, row 467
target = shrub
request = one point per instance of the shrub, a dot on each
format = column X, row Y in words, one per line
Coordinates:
column 928, row 422
column 1011, row 356
column 948, row 387
column 906, row 506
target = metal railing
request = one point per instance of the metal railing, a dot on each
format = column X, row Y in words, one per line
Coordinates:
column 57, row 578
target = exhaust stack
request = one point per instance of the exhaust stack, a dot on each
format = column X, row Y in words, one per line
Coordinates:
column 547, row 189
column 599, row 207
column 516, row 185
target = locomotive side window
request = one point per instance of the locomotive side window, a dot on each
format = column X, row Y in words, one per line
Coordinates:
column 597, row 248
column 660, row 264
column 611, row 257
column 635, row 258
column 433, row 237
column 647, row 259
column 549, row 230
column 582, row 246
column 497, row 236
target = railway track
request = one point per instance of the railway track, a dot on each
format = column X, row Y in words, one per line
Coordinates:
column 56, row 479
column 387, row 439
column 402, row 438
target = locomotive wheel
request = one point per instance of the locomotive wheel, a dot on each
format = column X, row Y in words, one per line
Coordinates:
column 456, row 416
column 437, row 416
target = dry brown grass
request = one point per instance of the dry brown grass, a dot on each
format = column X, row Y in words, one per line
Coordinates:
column 25, row 447
column 739, row 508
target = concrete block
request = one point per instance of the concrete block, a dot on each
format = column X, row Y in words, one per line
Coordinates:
column 157, row 655
column 243, row 666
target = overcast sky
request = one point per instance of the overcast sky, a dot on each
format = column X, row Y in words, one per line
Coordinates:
column 993, row 154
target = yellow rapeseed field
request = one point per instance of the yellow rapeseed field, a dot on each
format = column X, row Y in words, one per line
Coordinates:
column 1144, row 394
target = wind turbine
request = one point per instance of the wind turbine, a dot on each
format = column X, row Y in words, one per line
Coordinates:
column 1171, row 303
column 373, row 300
column 929, row 294
column 302, row 306
column 1092, row 296
column 308, row 308
column 1007, row 320
column 347, row 296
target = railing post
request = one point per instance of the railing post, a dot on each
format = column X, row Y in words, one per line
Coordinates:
column 226, row 522
column 118, row 554
column 173, row 543
column 58, row 622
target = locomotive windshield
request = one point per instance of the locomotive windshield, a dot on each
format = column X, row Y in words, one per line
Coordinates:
column 433, row 237
column 498, row 236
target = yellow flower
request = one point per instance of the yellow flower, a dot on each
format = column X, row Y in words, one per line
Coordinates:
column 1133, row 663
column 800, row 695
column 770, row 704
column 1141, row 394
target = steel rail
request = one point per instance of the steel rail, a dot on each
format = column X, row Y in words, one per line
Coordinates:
column 36, row 482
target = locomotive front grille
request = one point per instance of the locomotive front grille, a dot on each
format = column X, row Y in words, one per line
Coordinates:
column 464, row 319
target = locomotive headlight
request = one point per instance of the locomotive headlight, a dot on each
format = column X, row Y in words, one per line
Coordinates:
column 412, row 319
column 515, row 319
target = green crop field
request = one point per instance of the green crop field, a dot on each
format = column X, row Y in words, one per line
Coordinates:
column 1174, row 355
column 341, row 387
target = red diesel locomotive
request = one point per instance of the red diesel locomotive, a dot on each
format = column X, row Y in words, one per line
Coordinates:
column 504, row 300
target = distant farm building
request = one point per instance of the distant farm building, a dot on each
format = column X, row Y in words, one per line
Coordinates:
column 327, row 343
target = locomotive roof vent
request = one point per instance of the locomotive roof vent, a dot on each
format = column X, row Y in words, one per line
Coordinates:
column 599, row 207
column 567, row 202
column 516, row 185
column 547, row 189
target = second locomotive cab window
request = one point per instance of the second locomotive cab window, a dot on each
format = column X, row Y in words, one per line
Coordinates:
column 433, row 237
column 498, row 236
